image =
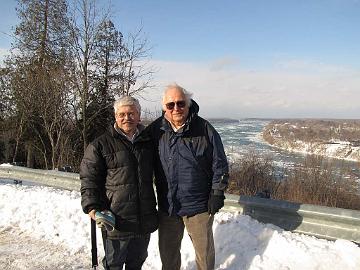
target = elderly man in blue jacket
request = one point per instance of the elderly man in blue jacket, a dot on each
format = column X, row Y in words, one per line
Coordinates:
column 191, row 177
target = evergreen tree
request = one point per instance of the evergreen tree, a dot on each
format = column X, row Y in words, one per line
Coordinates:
column 37, row 74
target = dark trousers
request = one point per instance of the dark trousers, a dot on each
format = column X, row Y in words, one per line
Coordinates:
column 199, row 228
column 131, row 252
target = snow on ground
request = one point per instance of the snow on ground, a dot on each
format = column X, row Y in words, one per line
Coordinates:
column 45, row 228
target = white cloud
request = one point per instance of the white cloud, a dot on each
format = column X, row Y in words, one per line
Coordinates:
column 309, row 66
column 331, row 92
column 223, row 63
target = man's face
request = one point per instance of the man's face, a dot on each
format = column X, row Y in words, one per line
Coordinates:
column 127, row 118
column 174, row 105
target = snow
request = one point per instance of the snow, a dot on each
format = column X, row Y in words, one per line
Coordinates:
column 5, row 165
column 339, row 150
column 45, row 228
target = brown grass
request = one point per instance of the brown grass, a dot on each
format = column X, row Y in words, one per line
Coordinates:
column 316, row 181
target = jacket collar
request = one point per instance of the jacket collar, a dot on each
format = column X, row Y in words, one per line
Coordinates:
column 141, row 135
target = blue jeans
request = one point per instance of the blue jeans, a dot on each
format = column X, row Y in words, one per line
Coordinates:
column 131, row 252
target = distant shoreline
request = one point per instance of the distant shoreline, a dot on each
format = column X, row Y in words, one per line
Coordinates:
column 304, row 152
column 330, row 139
column 223, row 120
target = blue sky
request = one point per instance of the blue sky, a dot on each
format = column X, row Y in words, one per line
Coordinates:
column 251, row 30
column 251, row 58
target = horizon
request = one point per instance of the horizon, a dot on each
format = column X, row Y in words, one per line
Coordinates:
column 282, row 118
column 248, row 59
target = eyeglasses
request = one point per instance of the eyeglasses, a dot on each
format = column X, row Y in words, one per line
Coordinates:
column 123, row 115
column 171, row 105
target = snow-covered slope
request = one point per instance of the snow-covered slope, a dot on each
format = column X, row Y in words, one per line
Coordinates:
column 333, row 149
column 45, row 228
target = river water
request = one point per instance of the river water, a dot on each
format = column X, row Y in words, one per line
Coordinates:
column 245, row 135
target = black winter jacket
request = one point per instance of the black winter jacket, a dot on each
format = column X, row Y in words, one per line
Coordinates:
column 190, row 163
column 118, row 175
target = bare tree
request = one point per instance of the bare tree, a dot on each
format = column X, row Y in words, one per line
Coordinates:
column 85, row 25
column 105, row 66
column 136, row 72
column 6, row 108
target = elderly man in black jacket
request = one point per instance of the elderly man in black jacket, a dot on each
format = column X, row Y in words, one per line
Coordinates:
column 191, row 177
column 117, row 185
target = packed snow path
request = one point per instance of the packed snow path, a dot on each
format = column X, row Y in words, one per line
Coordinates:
column 19, row 251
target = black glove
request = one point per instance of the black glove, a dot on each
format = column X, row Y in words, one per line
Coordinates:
column 215, row 203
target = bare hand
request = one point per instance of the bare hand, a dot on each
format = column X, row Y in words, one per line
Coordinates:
column 92, row 214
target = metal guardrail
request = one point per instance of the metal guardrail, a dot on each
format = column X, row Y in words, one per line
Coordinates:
column 64, row 180
column 320, row 221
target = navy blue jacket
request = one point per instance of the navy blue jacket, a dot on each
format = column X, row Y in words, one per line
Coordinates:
column 190, row 164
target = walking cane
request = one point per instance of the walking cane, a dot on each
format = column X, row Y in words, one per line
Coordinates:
column 94, row 261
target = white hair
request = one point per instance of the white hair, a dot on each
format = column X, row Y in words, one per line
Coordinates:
column 127, row 101
column 187, row 94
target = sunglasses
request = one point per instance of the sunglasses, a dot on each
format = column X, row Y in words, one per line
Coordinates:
column 171, row 105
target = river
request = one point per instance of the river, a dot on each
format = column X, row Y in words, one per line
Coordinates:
column 245, row 135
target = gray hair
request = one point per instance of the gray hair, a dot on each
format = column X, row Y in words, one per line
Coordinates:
column 187, row 94
column 127, row 101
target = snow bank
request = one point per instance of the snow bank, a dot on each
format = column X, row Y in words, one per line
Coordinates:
column 54, row 216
